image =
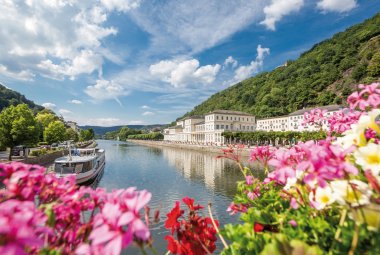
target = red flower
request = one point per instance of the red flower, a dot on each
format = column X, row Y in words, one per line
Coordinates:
column 196, row 235
column 257, row 227
column 190, row 203
column 172, row 221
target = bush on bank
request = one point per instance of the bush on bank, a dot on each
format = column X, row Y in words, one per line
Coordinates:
column 149, row 136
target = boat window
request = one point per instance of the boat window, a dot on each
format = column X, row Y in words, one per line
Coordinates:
column 64, row 168
column 87, row 166
column 78, row 168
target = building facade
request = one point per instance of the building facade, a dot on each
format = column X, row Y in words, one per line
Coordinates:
column 209, row 128
column 294, row 121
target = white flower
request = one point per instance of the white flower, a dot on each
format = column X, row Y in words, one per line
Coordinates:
column 323, row 197
column 290, row 182
column 368, row 157
column 369, row 120
column 353, row 136
column 343, row 192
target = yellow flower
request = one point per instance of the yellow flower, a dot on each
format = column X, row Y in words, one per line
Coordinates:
column 369, row 121
column 368, row 157
column 345, row 194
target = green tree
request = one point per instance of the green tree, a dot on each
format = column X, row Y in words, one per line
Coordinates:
column 374, row 66
column 72, row 135
column 44, row 118
column 86, row 134
column 124, row 132
column 18, row 126
column 55, row 132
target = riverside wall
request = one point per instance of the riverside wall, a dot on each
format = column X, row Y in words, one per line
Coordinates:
column 200, row 148
column 45, row 159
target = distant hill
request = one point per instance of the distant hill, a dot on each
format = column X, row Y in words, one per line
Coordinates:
column 102, row 130
column 10, row 97
column 324, row 75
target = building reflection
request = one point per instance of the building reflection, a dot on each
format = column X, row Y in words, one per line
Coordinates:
column 219, row 175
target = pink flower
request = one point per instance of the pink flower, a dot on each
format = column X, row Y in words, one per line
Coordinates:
column 234, row 208
column 369, row 96
column 293, row 223
column 293, row 203
column 314, row 117
column 342, row 120
column 262, row 154
column 249, row 179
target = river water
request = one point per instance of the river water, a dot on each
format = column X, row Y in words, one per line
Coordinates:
column 170, row 174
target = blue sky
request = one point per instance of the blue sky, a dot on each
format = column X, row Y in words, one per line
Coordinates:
column 115, row 62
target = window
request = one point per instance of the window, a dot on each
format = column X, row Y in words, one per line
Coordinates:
column 226, row 117
column 226, row 126
column 222, row 117
column 217, row 126
column 222, row 127
column 217, row 117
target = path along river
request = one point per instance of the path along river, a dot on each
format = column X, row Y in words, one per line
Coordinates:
column 170, row 174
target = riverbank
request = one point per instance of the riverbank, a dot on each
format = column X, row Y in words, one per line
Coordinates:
column 196, row 147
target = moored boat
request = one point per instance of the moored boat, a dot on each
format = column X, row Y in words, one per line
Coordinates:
column 85, row 164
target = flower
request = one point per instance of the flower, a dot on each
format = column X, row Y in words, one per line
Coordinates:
column 249, row 179
column 353, row 192
column 321, row 198
column 293, row 223
column 172, row 221
column 195, row 234
column 368, row 157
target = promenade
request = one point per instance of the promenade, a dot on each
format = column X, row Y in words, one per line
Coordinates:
column 211, row 148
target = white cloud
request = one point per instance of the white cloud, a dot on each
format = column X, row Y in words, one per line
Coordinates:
column 120, row 5
column 230, row 61
column 145, row 107
column 49, row 105
column 148, row 113
column 104, row 90
column 104, row 122
column 197, row 25
column 65, row 112
column 336, row 5
column 136, row 122
column 56, row 38
column 243, row 72
column 182, row 73
column 278, row 9
column 75, row 101
column 24, row 75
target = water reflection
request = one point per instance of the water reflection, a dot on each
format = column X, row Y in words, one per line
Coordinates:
column 218, row 175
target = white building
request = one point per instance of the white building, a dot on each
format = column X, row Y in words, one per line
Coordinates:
column 280, row 123
column 73, row 125
column 294, row 121
column 297, row 118
column 209, row 128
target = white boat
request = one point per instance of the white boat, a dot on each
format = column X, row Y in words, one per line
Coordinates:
column 85, row 164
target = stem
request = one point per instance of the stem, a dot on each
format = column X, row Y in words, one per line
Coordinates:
column 154, row 250
column 216, row 227
column 355, row 240
column 339, row 230
column 203, row 246
column 167, row 253
column 142, row 250
column 241, row 169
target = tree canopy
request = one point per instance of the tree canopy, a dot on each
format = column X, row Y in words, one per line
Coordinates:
column 18, row 126
column 55, row 132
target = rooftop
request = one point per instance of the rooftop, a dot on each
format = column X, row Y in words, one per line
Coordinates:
column 194, row 117
column 230, row 112
column 329, row 108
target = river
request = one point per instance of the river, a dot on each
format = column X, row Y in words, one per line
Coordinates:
column 170, row 174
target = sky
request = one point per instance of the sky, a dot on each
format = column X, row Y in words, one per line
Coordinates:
column 119, row 62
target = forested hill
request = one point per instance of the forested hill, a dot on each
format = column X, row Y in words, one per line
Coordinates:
column 324, row 75
column 10, row 97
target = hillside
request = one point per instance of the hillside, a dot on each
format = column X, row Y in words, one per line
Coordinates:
column 324, row 75
column 10, row 97
column 102, row 130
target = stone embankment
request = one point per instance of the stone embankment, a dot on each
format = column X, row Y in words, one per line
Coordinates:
column 45, row 159
column 197, row 147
